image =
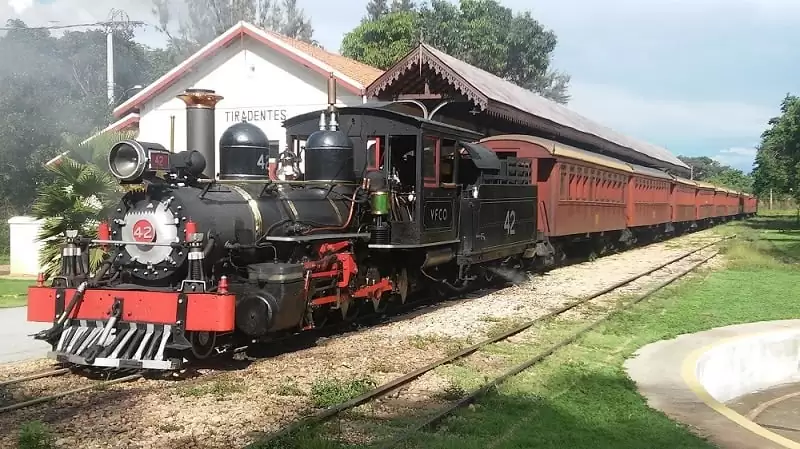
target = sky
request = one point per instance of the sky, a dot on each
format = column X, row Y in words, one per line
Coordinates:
column 699, row 77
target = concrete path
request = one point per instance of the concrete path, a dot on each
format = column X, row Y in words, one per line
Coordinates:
column 15, row 343
column 662, row 373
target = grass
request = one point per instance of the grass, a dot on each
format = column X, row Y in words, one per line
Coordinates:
column 35, row 435
column 581, row 397
column 220, row 389
column 328, row 392
column 14, row 292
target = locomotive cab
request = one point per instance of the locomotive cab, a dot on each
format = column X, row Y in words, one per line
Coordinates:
column 424, row 165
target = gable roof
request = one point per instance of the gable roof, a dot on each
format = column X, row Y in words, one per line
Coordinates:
column 507, row 100
column 352, row 75
column 363, row 73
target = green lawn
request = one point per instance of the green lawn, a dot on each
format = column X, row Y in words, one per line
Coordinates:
column 581, row 397
column 14, row 292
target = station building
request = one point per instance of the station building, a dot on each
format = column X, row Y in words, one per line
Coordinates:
column 263, row 77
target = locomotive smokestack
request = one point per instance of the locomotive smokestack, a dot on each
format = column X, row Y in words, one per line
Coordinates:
column 200, row 133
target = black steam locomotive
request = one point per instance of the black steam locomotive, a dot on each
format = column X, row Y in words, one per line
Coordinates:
column 198, row 261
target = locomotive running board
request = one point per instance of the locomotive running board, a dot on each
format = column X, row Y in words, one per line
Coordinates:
column 128, row 346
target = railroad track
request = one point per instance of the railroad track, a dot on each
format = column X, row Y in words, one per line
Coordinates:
column 340, row 330
column 432, row 419
column 92, row 384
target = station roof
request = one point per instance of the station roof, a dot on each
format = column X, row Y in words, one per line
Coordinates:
column 506, row 100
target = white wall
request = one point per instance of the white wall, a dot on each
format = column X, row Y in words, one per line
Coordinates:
column 751, row 363
column 254, row 80
column 24, row 247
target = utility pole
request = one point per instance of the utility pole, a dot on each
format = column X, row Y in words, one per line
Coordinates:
column 117, row 19
column 691, row 172
column 110, row 64
column 770, row 199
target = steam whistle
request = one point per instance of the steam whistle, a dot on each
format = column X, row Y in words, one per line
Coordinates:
column 330, row 122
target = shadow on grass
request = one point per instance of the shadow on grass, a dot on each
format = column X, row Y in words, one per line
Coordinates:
column 785, row 223
column 592, row 411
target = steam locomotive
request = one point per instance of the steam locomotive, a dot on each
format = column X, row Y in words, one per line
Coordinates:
column 197, row 262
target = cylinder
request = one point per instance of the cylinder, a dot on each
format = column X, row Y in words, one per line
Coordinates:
column 436, row 257
column 200, row 132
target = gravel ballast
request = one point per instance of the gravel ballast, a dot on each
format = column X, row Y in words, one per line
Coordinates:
column 220, row 409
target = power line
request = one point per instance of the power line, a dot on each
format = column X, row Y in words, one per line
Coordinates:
column 78, row 25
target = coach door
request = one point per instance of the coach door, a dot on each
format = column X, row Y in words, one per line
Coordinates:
column 439, row 211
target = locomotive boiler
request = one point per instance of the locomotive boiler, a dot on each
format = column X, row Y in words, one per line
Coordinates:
column 199, row 261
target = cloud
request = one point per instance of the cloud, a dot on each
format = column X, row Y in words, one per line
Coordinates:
column 737, row 157
column 19, row 6
column 659, row 120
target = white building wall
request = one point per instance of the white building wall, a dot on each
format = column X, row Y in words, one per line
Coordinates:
column 24, row 247
column 257, row 83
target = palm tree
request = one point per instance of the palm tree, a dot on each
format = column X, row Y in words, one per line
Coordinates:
column 82, row 193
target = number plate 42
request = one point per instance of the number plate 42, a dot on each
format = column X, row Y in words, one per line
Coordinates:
column 510, row 222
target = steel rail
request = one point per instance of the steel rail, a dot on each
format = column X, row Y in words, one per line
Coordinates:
column 44, row 399
column 330, row 412
column 51, row 373
column 472, row 396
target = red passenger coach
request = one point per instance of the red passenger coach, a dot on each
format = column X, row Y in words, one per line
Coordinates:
column 684, row 196
column 733, row 203
column 749, row 204
column 649, row 197
column 580, row 192
column 720, row 202
column 705, row 200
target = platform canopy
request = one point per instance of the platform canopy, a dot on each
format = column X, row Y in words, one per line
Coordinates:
column 427, row 72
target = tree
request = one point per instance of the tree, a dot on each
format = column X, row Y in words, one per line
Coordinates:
column 483, row 33
column 708, row 170
column 403, row 5
column 207, row 19
column 80, row 194
column 381, row 43
column 778, row 158
column 733, row 179
column 376, row 9
column 55, row 87
column 703, row 167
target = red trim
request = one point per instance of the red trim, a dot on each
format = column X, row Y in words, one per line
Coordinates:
column 375, row 290
column 124, row 123
column 239, row 30
column 205, row 311
column 376, row 155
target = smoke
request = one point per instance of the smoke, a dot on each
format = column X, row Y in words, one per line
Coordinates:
column 511, row 275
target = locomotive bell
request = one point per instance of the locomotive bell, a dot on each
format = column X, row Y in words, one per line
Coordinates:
column 244, row 152
column 329, row 157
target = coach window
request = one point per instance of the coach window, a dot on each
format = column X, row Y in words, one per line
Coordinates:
column 430, row 151
column 447, row 163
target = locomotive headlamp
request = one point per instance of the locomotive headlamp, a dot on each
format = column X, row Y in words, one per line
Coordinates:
column 130, row 160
